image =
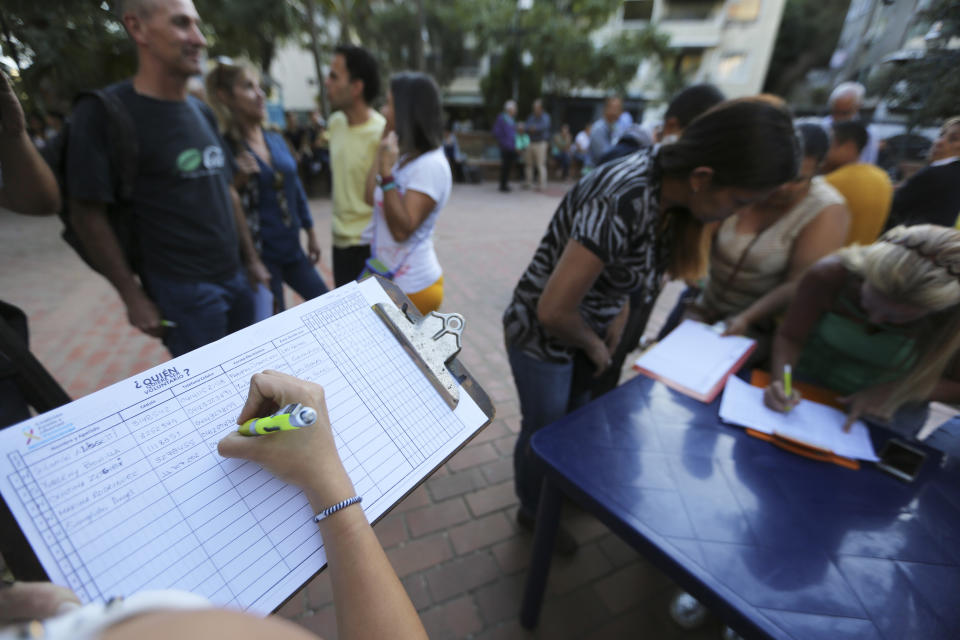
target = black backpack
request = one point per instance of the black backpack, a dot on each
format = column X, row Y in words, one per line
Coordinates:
column 123, row 153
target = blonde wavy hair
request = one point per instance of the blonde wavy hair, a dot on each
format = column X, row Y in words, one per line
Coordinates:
column 919, row 266
column 223, row 78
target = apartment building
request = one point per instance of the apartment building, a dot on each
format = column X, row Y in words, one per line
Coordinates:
column 725, row 42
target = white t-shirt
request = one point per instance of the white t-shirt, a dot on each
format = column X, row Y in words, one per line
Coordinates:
column 582, row 142
column 414, row 260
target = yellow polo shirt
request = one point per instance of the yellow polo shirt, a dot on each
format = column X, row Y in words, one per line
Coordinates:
column 869, row 193
column 352, row 152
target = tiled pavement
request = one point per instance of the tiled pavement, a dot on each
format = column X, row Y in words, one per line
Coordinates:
column 454, row 541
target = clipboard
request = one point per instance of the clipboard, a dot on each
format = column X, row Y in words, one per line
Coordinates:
column 434, row 353
column 761, row 379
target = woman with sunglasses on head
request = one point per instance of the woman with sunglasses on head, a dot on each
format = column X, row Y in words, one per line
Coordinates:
column 270, row 188
column 879, row 324
column 408, row 185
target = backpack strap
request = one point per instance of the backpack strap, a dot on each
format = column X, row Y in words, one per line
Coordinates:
column 121, row 139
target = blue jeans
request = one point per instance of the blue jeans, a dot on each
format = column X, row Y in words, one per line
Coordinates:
column 300, row 274
column 203, row 311
column 544, row 390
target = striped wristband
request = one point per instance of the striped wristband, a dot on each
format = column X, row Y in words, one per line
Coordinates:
column 329, row 511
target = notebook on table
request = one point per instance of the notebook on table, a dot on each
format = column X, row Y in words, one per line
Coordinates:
column 695, row 359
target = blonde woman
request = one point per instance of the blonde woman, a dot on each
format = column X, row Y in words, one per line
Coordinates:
column 879, row 324
column 270, row 188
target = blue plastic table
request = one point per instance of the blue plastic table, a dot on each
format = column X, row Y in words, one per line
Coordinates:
column 775, row 544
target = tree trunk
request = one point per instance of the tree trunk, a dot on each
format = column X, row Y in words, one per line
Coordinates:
column 315, row 47
column 267, row 50
column 421, row 24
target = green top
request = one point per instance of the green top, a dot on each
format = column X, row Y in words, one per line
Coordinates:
column 846, row 354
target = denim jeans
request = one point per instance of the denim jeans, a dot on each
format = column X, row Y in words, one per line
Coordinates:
column 203, row 311
column 300, row 274
column 544, row 391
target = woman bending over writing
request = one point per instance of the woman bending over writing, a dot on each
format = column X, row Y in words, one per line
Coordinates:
column 878, row 324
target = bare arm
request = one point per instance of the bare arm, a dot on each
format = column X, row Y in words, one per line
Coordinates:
column 948, row 389
column 369, row 600
column 371, row 182
column 558, row 309
column 28, row 184
column 822, row 236
column 405, row 214
column 89, row 219
column 815, row 294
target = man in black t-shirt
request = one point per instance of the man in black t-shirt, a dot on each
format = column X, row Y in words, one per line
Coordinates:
column 188, row 223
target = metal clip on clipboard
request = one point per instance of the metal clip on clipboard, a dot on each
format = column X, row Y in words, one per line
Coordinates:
column 432, row 341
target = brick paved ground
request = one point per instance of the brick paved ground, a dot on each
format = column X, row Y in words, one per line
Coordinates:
column 454, row 541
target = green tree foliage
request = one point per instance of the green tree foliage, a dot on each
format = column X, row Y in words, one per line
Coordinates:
column 64, row 46
column 61, row 47
column 808, row 34
column 927, row 88
column 497, row 85
column 555, row 35
column 252, row 28
column 559, row 38
column 392, row 31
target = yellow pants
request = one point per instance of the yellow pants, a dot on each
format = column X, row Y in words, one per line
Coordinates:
column 429, row 299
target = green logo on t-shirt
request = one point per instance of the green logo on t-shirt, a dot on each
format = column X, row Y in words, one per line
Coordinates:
column 189, row 160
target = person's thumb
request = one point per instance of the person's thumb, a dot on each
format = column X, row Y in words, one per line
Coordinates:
column 235, row 445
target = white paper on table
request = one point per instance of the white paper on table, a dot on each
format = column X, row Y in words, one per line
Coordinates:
column 809, row 422
column 695, row 356
column 123, row 490
column 938, row 414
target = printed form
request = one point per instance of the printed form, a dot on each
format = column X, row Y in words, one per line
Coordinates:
column 123, row 490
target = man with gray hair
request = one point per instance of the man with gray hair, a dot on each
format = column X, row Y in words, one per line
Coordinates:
column 505, row 131
column 845, row 102
column 187, row 285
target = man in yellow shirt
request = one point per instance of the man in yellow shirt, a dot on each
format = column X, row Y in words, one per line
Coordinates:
column 866, row 188
column 354, row 131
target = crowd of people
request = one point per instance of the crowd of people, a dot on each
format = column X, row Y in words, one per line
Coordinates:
column 777, row 227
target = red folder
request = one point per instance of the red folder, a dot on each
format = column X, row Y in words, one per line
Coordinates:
column 710, row 395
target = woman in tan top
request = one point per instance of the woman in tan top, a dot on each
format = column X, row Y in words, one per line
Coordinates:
column 759, row 254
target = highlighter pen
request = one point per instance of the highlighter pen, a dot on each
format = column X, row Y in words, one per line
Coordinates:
column 788, row 384
column 289, row 418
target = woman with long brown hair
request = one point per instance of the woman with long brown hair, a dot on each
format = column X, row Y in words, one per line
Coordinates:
column 408, row 186
column 622, row 229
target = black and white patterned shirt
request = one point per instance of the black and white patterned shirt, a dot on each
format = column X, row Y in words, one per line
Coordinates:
column 615, row 213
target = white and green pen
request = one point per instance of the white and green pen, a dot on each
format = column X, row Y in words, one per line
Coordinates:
column 289, row 418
